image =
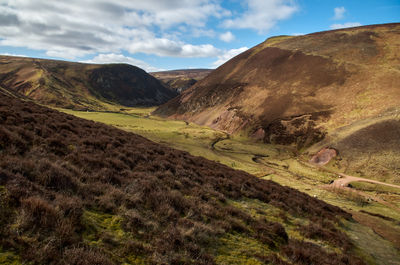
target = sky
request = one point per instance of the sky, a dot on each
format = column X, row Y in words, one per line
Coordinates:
column 170, row 34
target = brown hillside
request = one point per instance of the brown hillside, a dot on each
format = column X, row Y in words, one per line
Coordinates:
column 74, row 191
column 300, row 89
column 81, row 86
column 180, row 80
column 340, row 76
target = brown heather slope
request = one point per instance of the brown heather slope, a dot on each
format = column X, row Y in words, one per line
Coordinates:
column 299, row 90
column 81, row 86
column 73, row 191
column 180, row 80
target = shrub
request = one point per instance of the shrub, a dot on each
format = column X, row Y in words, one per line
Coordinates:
column 326, row 230
column 84, row 256
column 37, row 213
column 306, row 253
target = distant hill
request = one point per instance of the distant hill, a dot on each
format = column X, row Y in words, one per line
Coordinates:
column 81, row 86
column 299, row 90
column 180, row 80
column 73, row 191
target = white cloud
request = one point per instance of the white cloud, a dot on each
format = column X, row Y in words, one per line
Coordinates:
column 77, row 28
column 262, row 15
column 226, row 56
column 12, row 54
column 198, row 32
column 345, row 25
column 119, row 58
column 167, row 47
column 227, row 36
column 339, row 12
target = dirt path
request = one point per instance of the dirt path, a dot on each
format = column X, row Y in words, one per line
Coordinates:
column 343, row 182
column 346, row 179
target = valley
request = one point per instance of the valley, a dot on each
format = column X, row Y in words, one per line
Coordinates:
column 336, row 89
column 180, row 80
column 72, row 189
column 286, row 154
column 282, row 164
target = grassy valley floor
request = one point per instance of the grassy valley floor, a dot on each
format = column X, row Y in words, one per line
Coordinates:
column 374, row 206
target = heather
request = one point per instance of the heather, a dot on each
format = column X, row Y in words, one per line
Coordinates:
column 78, row 192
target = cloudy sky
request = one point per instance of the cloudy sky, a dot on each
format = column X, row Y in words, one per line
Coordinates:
column 170, row 34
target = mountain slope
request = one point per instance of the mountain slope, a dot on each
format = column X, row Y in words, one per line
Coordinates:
column 324, row 75
column 180, row 80
column 78, row 192
column 299, row 90
column 81, row 86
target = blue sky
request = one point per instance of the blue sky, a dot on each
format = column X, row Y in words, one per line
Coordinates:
column 170, row 34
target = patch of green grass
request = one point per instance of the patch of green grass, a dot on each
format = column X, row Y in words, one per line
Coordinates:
column 305, row 171
column 105, row 229
column 370, row 246
column 258, row 209
column 140, row 111
column 98, row 223
column 9, row 257
column 338, row 199
column 379, row 188
column 241, row 145
column 240, row 249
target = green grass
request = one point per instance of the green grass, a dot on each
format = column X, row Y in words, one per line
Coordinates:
column 105, row 230
column 240, row 249
column 98, row 223
column 8, row 257
column 379, row 188
column 291, row 223
column 366, row 239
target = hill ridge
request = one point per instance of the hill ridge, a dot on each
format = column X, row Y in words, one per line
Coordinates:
column 80, row 85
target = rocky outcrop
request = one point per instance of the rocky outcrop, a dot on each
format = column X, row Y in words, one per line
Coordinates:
column 324, row 156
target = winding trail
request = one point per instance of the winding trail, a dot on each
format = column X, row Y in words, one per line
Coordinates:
column 339, row 183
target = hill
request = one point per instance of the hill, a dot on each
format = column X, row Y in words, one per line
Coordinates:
column 81, row 86
column 180, row 80
column 78, row 192
column 333, row 86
